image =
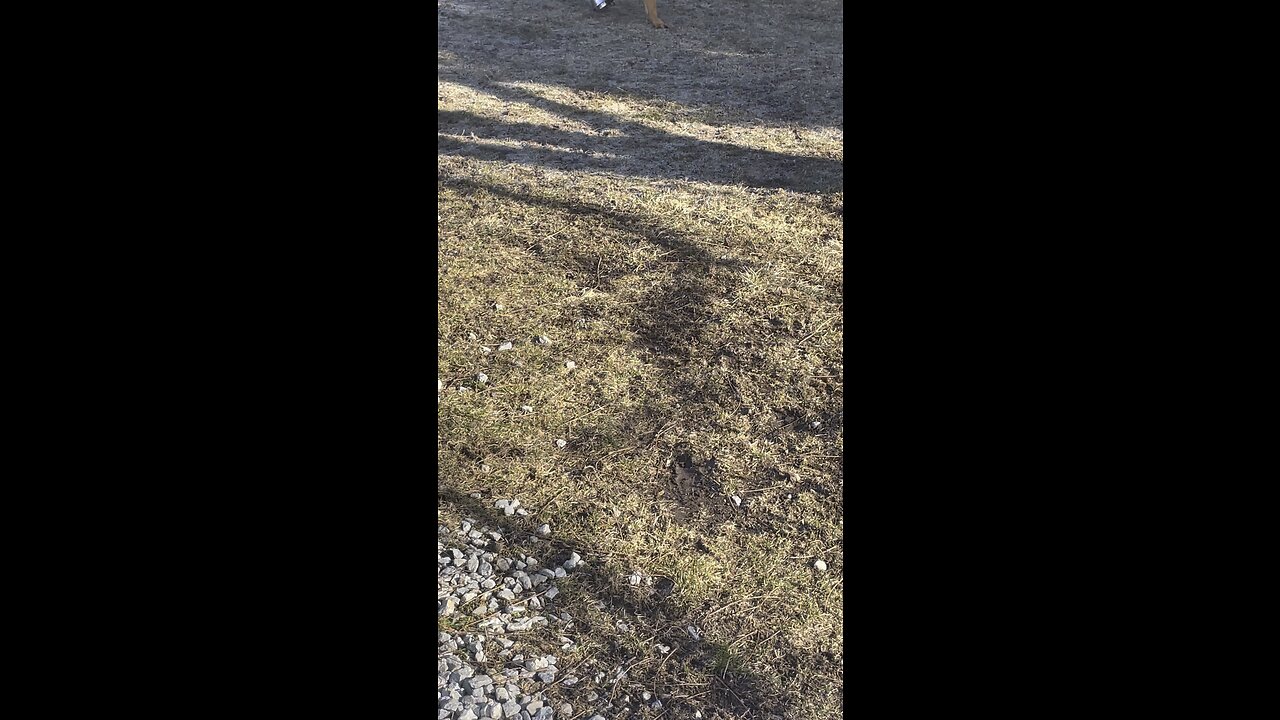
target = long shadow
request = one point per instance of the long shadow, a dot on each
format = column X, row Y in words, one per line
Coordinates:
column 673, row 317
column 777, row 62
column 639, row 151
column 732, row 688
column 798, row 87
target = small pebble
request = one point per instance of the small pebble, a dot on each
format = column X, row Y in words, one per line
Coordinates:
column 527, row 408
column 504, row 346
column 485, row 350
column 499, row 306
column 571, row 364
column 737, row 501
column 543, row 340
column 544, row 530
column 560, row 443
column 816, row 424
column 818, row 564
column 481, row 377
column 471, row 336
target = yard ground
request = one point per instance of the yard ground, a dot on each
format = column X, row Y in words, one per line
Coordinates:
column 666, row 207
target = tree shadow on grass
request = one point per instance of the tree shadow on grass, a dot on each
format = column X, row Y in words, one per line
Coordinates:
column 671, row 320
column 630, row 148
column 776, row 62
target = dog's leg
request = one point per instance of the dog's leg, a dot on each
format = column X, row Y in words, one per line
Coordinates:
column 651, row 9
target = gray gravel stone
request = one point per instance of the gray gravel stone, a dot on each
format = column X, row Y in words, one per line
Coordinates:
column 463, row 691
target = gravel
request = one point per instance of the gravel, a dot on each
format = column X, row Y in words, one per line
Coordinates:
column 819, row 565
column 481, row 673
column 502, row 601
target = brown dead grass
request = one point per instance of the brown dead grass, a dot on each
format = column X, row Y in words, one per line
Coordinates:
column 646, row 200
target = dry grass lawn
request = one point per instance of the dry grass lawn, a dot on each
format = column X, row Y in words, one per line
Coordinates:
column 666, row 207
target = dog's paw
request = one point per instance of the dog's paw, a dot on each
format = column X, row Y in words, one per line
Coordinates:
column 659, row 24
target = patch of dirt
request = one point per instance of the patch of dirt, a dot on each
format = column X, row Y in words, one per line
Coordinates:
column 691, row 484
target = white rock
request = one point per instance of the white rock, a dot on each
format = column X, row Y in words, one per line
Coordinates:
column 544, row 530
column 439, row 385
column 543, row 340
column 737, row 501
column 471, row 336
column 819, row 565
column 499, row 306
column 482, row 378
column 485, row 350
column 571, row 364
column 504, row 346
column 527, row 408
column 815, row 424
column 560, row 443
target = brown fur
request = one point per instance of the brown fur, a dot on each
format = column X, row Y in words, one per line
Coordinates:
column 651, row 9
